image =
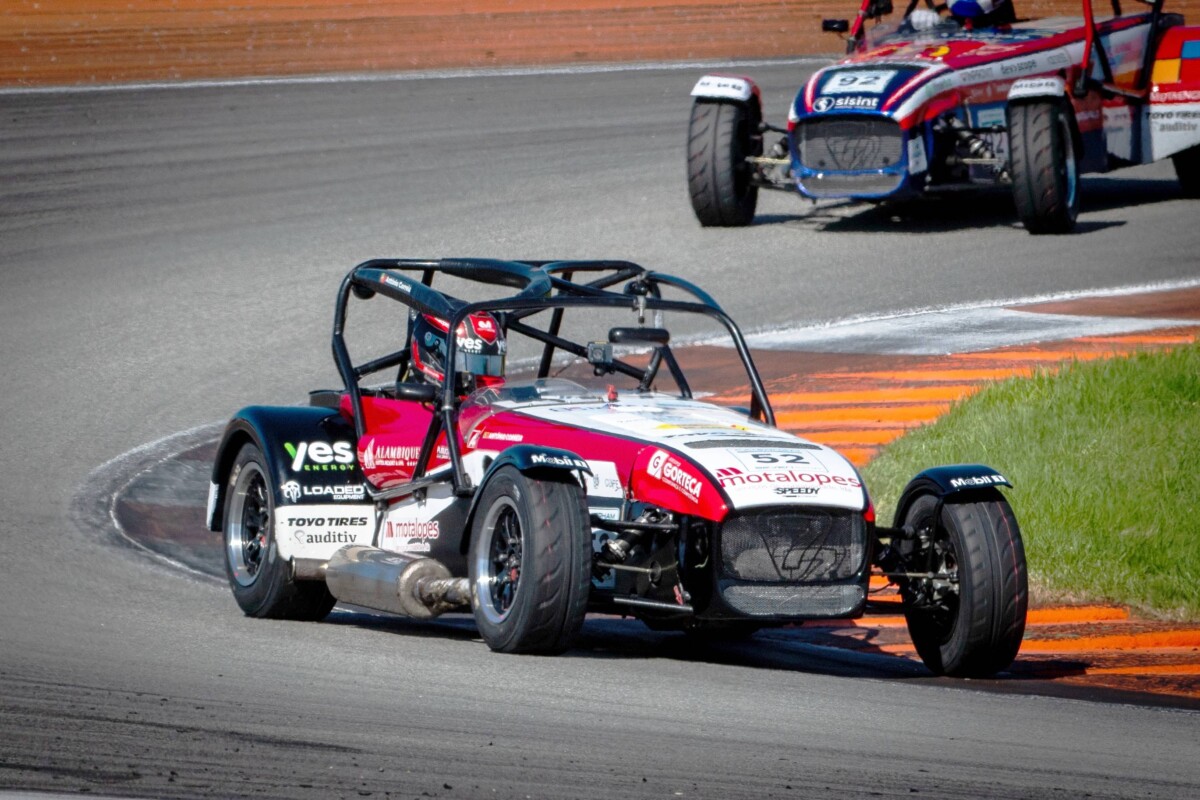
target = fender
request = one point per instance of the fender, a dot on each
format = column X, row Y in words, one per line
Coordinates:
column 526, row 458
column 734, row 88
column 310, row 453
column 945, row 481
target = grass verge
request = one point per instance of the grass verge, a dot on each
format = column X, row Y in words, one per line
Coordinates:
column 1104, row 457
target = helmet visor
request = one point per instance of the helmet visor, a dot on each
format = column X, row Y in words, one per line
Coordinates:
column 479, row 364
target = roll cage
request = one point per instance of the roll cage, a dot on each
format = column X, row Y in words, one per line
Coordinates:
column 541, row 286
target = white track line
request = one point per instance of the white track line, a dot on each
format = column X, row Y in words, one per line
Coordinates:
column 843, row 325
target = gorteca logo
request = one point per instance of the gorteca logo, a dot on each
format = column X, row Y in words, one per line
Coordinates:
column 671, row 471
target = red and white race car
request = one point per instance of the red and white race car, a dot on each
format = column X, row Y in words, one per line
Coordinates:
column 597, row 481
column 942, row 103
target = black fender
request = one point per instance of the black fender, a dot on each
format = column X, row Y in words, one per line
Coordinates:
column 286, row 435
column 945, row 481
column 528, row 458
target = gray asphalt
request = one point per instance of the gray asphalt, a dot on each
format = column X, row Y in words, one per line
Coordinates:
column 167, row 256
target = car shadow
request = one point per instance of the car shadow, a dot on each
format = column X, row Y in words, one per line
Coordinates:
column 815, row 649
column 959, row 211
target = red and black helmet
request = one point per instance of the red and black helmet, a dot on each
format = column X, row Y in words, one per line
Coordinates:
column 479, row 344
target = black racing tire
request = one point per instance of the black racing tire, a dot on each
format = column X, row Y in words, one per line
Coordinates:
column 975, row 629
column 261, row 581
column 1187, row 169
column 1045, row 174
column 530, row 562
column 720, row 137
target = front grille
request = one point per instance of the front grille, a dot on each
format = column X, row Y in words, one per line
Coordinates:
column 850, row 143
column 811, row 545
column 842, row 185
column 795, row 601
column 789, row 562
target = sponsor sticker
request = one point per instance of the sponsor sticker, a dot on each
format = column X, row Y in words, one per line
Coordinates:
column 316, row 531
column 732, row 477
column 294, row 492
column 723, row 86
column 396, row 284
column 977, row 480
column 550, row 460
column 797, row 491
column 916, row 155
column 320, row 456
column 859, row 82
column 823, row 103
column 671, row 471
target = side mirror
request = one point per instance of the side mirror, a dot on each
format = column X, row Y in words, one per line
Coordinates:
column 835, row 25
column 879, row 8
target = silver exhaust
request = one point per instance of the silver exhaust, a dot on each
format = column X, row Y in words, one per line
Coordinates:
column 418, row 587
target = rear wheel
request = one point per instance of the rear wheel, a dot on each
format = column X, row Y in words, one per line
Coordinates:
column 967, row 620
column 261, row 581
column 720, row 137
column 1044, row 172
column 529, row 562
column 1187, row 169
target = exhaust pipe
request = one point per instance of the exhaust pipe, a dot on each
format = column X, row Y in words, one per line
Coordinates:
column 420, row 588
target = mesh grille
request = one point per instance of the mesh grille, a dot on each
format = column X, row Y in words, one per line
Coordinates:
column 811, row 545
column 839, row 185
column 795, row 601
column 850, row 143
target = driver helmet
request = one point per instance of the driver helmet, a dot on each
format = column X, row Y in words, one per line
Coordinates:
column 479, row 344
column 972, row 9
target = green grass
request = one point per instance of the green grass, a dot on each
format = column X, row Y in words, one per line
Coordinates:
column 1104, row 458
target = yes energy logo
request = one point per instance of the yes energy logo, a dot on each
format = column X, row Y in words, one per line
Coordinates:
column 320, row 456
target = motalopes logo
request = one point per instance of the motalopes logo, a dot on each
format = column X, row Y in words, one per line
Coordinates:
column 670, row 470
column 320, row 456
column 412, row 530
column 735, row 477
column 977, row 480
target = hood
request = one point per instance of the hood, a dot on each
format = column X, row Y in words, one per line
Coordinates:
column 686, row 455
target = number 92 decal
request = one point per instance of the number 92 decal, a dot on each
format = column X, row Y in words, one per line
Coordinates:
column 858, row 81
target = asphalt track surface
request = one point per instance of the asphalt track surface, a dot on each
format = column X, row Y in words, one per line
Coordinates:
column 170, row 255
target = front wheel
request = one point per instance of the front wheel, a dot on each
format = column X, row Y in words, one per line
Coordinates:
column 1044, row 172
column 1187, row 169
column 720, row 137
column 529, row 562
column 261, row 581
column 967, row 617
